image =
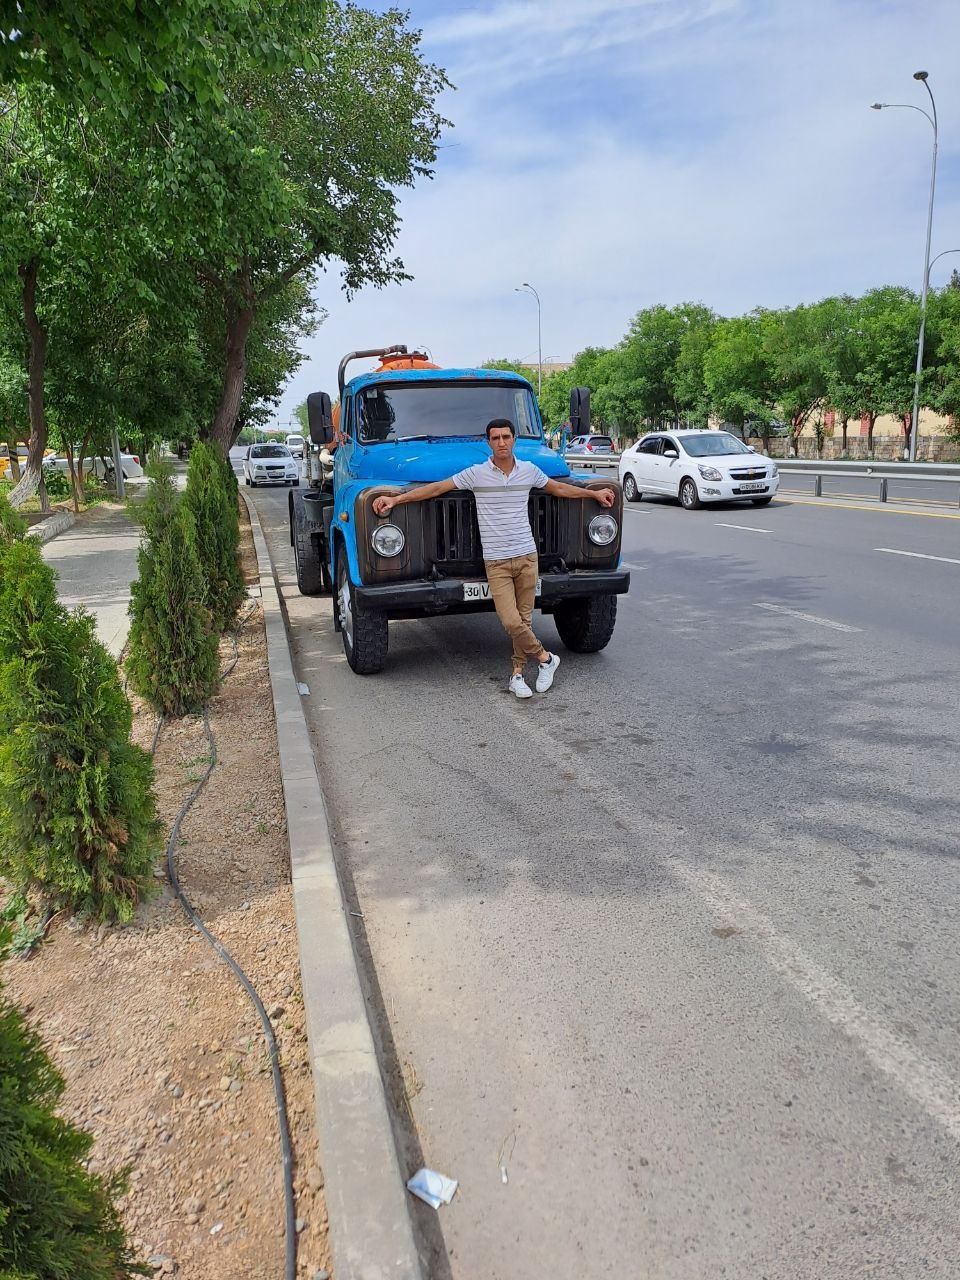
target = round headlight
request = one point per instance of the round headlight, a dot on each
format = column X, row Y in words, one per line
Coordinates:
column 602, row 530
column 387, row 540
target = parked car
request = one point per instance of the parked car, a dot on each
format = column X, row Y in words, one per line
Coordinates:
column 296, row 445
column 270, row 464
column 590, row 444
column 697, row 467
column 102, row 469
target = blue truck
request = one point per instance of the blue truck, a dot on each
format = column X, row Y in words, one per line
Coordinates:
column 407, row 423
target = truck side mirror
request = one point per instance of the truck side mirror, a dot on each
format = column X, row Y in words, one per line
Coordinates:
column 320, row 417
column 580, row 411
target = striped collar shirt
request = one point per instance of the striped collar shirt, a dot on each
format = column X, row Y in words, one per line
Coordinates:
column 502, row 502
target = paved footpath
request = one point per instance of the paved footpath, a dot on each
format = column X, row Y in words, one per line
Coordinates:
column 96, row 561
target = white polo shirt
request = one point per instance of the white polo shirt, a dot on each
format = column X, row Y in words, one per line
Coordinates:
column 502, row 506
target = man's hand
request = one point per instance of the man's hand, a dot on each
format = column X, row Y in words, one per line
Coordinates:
column 606, row 497
column 384, row 505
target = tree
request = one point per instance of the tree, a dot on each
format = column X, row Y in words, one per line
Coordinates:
column 56, row 1217
column 740, row 384
column 77, row 814
column 172, row 660
column 841, row 352
column 301, row 168
column 792, row 340
column 211, row 504
column 887, row 324
column 942, row 374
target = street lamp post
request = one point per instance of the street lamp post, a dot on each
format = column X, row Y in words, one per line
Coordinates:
column 520, row 289
column 879, row 106
column 937, row 259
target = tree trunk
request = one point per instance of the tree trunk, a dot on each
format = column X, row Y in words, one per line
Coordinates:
column 239, row 323
column 14, row 456
column 843, row 428
column 32, row 477
column 871, row 420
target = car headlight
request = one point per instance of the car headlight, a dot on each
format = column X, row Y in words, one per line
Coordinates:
column 387, row 540
column 602, row 530
column 774, row 471
column 710, row 473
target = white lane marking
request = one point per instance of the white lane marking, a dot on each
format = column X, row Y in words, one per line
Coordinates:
column 750, row 528
column 923, row 1079
column 806, row 617
column 917, row 555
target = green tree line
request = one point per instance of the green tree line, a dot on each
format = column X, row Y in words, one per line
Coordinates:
column 853, row 357
column 172, row 180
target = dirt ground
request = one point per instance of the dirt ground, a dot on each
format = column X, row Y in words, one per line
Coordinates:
column 162, row 1052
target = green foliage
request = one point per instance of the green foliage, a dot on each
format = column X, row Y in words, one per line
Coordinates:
column 12, row 524
column 56, row 1218
column 58, row 483
column 172, row 659
column 77, row 812
column 212, row 503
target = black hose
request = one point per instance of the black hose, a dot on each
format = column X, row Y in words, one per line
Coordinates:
column 283, row 1124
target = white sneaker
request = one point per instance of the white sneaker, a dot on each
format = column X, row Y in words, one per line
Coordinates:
column 519, row 686
column 546, row 672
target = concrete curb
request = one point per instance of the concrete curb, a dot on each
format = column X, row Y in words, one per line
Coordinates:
column 48, row 529
column 371, row 1234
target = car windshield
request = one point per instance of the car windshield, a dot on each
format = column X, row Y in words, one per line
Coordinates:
column 400, row 412
column 269, row 451
column 711, row 443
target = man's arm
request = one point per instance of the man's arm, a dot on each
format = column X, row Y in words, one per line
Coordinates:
column 560, row 489
column 386, row 502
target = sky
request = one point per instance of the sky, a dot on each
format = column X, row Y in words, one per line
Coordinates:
column 621, row 153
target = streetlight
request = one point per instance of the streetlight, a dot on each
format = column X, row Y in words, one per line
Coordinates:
column 937, row 259
column 520, row 289
column 879, row 106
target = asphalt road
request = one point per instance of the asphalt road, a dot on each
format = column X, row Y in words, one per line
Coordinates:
column 675, row 944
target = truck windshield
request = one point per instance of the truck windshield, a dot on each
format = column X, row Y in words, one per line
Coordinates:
column 391, row 412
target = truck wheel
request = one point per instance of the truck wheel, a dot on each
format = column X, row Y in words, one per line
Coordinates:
column 365, row 633
column 586, row 625
column 306, row 555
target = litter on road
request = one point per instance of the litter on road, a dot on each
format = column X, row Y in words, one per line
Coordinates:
column 433, row 1188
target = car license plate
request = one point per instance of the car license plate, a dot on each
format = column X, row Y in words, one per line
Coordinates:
column 754, row 484
column 481, row 590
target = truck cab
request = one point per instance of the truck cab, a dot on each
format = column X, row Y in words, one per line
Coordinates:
column 408, row 423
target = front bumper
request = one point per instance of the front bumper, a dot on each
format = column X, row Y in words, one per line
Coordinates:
column 412, row 599
column 732, row 490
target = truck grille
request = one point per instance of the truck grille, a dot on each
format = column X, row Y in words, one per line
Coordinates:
column 453, row 535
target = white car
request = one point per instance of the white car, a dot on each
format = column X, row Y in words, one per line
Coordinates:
column 296, row 445
column 129, row 462
column 270, row 464
column 697, row 467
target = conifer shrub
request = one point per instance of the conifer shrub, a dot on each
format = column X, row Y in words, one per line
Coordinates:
column 56, row 1218
column 172, row 657
column 12, row 524
column 211, row 498
column 77, row 813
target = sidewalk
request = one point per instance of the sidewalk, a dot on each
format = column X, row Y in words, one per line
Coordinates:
column 96, row 561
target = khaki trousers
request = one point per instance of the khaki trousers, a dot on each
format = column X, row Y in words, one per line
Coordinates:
column 513, row 585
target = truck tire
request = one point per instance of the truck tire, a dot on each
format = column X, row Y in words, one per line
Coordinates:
column 365, row 633
column 306, row 556
column 586, row 625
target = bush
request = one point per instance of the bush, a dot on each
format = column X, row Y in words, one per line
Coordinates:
column 56, row 1218
column 12, row 524
column 211, row 498
column 58, row 483
column 77, row 813
column 172, row 660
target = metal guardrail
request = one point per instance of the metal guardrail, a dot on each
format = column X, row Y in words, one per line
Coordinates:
column 882, row 472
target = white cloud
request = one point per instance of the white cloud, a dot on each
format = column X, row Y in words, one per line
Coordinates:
column 732, row 160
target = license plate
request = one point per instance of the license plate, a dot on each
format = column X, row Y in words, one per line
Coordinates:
column 754, row 484
column 481, row 590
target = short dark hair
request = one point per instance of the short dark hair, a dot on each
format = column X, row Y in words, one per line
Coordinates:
column 496, row 423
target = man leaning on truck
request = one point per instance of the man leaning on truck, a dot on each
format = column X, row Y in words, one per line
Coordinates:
column 501, row 488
